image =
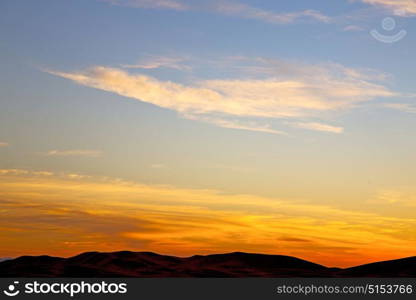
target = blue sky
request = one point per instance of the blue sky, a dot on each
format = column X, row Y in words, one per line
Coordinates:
column 236, row 49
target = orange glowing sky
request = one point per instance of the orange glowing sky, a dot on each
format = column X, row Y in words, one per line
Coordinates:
column 64, row 214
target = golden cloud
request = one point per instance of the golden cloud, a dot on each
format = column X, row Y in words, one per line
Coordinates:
column 292, row 90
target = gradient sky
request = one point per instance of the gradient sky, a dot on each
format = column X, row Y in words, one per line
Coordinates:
column 190, row 127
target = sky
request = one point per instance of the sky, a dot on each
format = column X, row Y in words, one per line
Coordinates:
column 194, row 127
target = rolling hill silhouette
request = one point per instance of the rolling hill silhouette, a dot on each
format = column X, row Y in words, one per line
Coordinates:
column 148, row 264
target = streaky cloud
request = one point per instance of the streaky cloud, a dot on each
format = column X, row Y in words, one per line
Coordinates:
column 249, row 12
column 403, row 107
column 229, row 8
column 397, row 7
column 155, row 4
column 236, row 124
column 87, row 153
column 156, row 62
column 272, row 89
column 318, row 127
column 353, row 28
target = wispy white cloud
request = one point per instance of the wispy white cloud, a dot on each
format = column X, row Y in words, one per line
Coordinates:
column 156, row 4
column 404, row 107
column 229, row 8
column 353, row 28
column 397, row 7
column 155, row 62
column 283, row 89
column 86, row 153
column 4, row 144
column 250, row 12
column 236, row 124
column 272, row 97
column 297, row 70
column 318, row 127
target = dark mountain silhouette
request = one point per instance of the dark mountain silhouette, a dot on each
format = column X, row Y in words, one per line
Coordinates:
column 405, row 267
column 148, row 264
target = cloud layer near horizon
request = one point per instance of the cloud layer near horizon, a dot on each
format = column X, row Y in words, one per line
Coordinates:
column 274, row 89
column 108, row 214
